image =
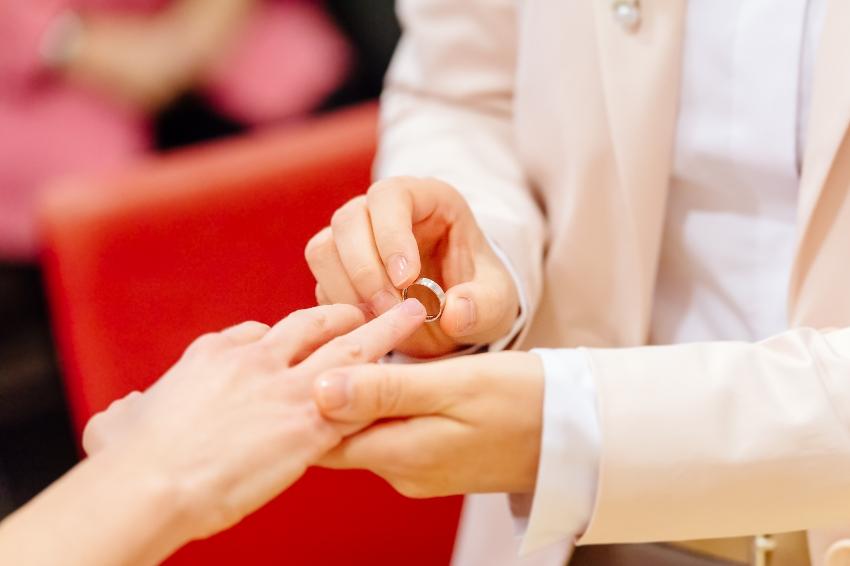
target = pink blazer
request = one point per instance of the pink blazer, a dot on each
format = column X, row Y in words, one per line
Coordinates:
column 557, row 123
column 288, row 59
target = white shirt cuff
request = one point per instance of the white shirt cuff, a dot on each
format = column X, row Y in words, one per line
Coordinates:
column 565, row 491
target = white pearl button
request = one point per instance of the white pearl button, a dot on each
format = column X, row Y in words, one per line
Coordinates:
column 627, row 13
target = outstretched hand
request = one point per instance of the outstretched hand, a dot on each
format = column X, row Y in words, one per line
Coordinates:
column 233, row 423
column 464, row 425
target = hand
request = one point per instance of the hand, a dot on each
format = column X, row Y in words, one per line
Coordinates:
column 403, row 228
column 136, row 61
column 233, row 423
column 146, row 61
column 464, row 425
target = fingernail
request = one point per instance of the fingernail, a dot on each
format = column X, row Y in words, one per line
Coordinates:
column 397, row 269
column 413, row 307
column 465, row 315
column 383, row 301
column 333, row 391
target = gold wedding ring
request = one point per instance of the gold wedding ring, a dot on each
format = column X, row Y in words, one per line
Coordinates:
column 433, row 314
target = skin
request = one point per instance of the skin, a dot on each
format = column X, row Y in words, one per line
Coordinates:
column 226, row 429
column 147, row 61
column 470, row 424
column 404, row 228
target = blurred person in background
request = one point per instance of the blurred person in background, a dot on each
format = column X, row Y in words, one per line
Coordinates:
column 89, row 86
column 81, row 81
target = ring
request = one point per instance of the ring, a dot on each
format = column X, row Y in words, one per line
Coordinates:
column 434, row 288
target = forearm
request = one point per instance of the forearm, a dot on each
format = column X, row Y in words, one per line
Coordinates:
column 107, row 510
column 207, row 27
column 148, row 59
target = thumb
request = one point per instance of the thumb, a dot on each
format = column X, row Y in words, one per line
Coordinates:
column 482, row 310
column 367, row 393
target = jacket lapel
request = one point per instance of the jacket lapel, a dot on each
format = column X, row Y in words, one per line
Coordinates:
column 641, row 75
column 828, row 123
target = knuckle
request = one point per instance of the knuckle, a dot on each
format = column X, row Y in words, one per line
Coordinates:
column 93, row 435
column 349, row 210
column 384, row 186
column 265, row 358
column 349, row 348
column 133, row 399
column 388, row 394
column 316, row 320
column 254, row 326
column 91, row 441
column 115, row 406
column 206, row 343
column 94, row 426
column 318, row 246
column 394, row 238
column 364, row 277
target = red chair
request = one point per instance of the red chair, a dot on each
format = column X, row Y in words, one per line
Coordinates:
column 139, row 264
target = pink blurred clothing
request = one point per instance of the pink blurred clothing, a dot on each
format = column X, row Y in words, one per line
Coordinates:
column 287, row 60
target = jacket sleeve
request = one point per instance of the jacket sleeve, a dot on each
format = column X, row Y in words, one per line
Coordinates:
column 447, row 112
column 723, row 439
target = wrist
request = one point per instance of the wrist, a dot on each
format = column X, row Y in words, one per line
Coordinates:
column 62, row 40
column 156, row 504
column 129, row 516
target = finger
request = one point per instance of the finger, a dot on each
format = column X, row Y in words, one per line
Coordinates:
column 367, row 393
column 479, row 311
column 391, row 213
column 325, row 264
column 390, row 447
column 208, row 343
column 246, row 332
column 399, row 203
column 352, row 232
column 369, row 342
column 300, row 333
column 371, row 449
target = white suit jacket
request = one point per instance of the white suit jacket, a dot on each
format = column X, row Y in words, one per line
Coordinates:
column 557, row 123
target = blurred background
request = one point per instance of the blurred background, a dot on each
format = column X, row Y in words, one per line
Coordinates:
column 119, row 241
